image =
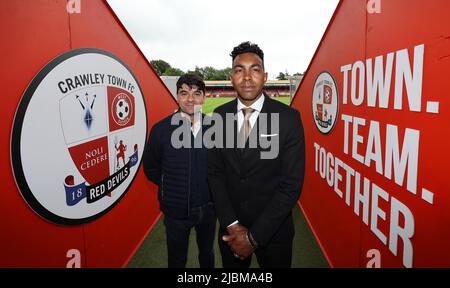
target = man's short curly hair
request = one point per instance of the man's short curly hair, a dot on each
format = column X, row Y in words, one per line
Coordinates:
column 247, row 47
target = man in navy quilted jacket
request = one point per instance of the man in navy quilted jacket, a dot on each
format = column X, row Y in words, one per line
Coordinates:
column 177, row 163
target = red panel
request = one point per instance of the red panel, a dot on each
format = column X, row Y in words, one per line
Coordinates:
column 111, row 239
column 41, row 31
column 357, row 35
column 32, row 35
column 338, row 235
column 404, row 25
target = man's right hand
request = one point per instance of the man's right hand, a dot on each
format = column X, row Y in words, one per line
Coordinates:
column 236, row 228
column 233, row 232
column 237, row 241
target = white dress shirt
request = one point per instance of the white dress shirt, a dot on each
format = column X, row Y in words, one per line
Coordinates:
column 195, row 127
column 256, row 106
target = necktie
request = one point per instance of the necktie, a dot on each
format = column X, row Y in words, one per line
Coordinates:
column 245, row 129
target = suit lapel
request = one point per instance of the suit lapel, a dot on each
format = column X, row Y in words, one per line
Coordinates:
column 233, row 152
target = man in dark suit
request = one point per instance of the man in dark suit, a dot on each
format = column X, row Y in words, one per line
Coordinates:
column 254, row 193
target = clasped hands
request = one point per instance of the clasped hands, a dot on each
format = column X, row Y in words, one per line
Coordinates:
column 238, row 241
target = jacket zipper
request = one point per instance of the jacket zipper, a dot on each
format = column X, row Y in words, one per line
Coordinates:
column 189, row 183
column 162, row 187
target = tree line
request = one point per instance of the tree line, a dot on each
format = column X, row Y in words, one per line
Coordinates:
column 208, row 73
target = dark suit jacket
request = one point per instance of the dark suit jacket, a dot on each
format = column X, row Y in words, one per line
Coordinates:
column 260, row 193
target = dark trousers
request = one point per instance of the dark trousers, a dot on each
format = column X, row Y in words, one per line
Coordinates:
column 274, row 255
column 203, row 219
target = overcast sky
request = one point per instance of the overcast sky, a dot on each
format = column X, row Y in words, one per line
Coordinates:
column 189, row 33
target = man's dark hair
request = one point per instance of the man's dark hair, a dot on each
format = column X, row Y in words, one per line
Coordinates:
column 191, row 80
column 247, row 47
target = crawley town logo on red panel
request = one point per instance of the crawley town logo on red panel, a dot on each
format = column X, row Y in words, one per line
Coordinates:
column 325, row 102
column 78, row 136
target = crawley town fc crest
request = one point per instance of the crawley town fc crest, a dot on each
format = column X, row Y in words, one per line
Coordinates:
column 78, row 136
column 325, row 102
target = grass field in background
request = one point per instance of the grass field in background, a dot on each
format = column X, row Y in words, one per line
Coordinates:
column 212, row 103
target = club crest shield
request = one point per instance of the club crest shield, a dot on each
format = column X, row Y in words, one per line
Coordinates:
column 325, row 102
column 78, row 136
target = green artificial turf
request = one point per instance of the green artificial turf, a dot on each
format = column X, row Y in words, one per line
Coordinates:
column 153, row 251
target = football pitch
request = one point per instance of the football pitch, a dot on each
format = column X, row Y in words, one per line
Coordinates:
column 212, row 103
